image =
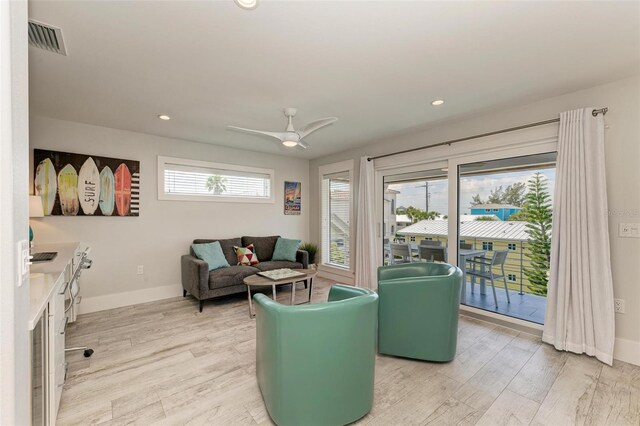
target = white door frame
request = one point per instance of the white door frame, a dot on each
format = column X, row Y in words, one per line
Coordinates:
column 390, row 170
column 15, row 401
column 531, row 141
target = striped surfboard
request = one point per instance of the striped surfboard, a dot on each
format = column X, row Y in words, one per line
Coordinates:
column 107, row 192
column 135, row 194
column 46, row 185
column 89, row 187
column 68, row 190
column 123, row 189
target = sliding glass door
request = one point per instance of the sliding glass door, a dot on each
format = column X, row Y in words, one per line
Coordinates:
column 415, row 216
column 504, row 230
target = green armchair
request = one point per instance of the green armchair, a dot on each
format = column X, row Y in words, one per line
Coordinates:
column 418, row 314
column 315, row 363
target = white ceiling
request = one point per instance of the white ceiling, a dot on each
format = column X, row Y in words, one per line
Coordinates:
column 375, row 65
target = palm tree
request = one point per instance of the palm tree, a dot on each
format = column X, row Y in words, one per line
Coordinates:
column 217, row 184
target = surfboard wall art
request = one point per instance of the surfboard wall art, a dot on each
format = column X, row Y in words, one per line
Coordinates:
column 123, row 189
column 86, row 185
column 46, row 184
column 107, row 191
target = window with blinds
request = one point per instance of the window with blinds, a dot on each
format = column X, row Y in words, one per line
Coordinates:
column 191, row 180
column 336, row 221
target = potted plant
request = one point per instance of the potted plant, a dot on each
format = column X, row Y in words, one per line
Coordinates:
column 312, row 249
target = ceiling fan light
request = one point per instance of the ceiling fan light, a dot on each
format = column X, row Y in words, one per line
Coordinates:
column 247, row 4
column 289, row 144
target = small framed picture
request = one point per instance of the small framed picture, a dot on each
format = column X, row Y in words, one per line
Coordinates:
column 292, row 198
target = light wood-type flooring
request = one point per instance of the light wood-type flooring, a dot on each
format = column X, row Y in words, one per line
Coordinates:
column 165, row 363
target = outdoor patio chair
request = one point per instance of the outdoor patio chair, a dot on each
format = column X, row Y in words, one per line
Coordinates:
column 403, row 251
column 466, row 246
column 432, row 253
column 431, row 243
column 483, row 267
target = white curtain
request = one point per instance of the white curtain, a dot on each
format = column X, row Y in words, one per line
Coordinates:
column 580, row 312
column 366, row 267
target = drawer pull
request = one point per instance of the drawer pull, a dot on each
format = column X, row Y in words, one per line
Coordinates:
column 66, row 321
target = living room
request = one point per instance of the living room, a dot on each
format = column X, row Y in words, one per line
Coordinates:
column 457, row 100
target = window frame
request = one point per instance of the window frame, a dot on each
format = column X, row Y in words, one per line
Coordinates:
column 514, row 280
column 328, row 169
column 163, row 161
column 487, row 244
column 515, row 246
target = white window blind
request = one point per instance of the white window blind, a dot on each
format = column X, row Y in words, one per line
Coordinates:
column 336, row 223
column 183, row 179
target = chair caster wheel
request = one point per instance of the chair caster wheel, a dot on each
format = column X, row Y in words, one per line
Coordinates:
column 88, row 353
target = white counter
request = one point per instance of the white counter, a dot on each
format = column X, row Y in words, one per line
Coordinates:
column 45, row 277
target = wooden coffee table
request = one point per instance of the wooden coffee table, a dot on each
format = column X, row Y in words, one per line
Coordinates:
column 258, row 280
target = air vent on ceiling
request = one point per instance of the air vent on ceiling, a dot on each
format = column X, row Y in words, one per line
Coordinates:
column 47, row 37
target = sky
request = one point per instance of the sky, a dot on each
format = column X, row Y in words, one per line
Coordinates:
column 413, row 193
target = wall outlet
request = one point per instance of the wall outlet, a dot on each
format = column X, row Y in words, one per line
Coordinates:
column 140, row 269
column 629, row 230
column 618, row 306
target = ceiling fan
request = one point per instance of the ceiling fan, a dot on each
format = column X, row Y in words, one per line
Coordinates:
column 291, row 137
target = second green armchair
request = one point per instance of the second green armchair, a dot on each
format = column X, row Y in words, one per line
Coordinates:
column 418, row 312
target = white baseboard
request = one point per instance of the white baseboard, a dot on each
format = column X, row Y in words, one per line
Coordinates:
column 627, row 351
column 118, row 300
column 338, row 275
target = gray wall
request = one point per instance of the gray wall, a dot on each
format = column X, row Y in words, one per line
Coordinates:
column 623, row 174
column 165, row 229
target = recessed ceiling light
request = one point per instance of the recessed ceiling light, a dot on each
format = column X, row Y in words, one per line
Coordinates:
column 437, row 102
column 247, row 4
column 164, row 117
column 289, row 144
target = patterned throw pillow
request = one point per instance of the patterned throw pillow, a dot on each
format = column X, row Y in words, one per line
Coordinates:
column 246, row 255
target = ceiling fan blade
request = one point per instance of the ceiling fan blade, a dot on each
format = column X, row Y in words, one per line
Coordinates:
column 315, row 125
column 302, row 144
column 277, row 135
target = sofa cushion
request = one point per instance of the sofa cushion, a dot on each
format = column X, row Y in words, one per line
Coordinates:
column 264, row 246
column 233, row 275
column 212, row 254
column 286, row 249
column 246, row 255
column 227, row 248
column 277, row 264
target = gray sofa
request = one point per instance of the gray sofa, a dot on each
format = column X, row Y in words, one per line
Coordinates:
column 202, row 284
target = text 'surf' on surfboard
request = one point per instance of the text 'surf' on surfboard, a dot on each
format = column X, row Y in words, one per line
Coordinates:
column 89, row 187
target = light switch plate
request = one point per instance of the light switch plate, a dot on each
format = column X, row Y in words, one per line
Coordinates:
column 23, row 262
column 629, row 230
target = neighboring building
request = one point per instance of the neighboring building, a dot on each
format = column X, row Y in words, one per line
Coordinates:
column 483, row 235
column 402, row 221
column 471, row 217
column 502, row 211
column 390, row 219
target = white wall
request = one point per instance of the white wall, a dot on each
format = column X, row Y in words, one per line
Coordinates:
column 165, row 229
column 14, row 136
column 623, row 176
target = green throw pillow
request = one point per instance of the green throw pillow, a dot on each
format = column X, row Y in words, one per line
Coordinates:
column 212, row 254
column 286, row 249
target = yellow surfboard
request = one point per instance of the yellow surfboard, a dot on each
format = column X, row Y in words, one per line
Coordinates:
column 46, row 185
column 68, row 190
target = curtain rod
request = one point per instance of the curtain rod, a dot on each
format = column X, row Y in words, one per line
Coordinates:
column 595, row 112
